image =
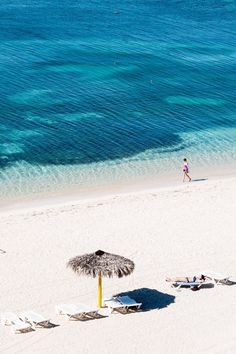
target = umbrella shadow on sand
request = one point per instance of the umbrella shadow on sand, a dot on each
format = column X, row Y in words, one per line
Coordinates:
column 151, row 299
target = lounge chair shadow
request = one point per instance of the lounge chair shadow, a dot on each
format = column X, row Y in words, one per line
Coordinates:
column 88, row 317
column 230, row 282
column 192, row 287
column 82, row 319
column 207, row 286
column 98, row 316
column 27, row 330
column 151, row 299
column 50, row 325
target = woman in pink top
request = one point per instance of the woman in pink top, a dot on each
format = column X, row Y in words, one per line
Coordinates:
column 186, row 170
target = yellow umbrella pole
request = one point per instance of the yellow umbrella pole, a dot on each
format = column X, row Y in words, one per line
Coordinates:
column 99, row 290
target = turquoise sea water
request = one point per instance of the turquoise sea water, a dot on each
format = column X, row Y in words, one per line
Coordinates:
column 97, row 91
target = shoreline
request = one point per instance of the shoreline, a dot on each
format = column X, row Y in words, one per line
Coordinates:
column 75, row 196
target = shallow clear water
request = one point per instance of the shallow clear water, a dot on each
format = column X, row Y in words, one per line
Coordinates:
column 96, row 91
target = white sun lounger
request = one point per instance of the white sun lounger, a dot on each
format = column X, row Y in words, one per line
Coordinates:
column 34, row 318
column 121, row 303
column 129, row 303
column 77, row 312
column 217, row 278
column 113, row 304
column 17, row 325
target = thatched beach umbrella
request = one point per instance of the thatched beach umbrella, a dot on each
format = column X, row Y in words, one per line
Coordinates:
column 101, row 264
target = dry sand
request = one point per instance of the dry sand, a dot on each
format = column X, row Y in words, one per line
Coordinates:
column 170, row 231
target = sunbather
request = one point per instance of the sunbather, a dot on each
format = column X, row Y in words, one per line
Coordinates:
column 195, row 279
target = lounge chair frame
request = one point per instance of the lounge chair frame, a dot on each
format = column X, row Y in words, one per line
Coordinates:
column 122, row 304
column 76, row 312
column 16, row 323
column 216, row 278
column 35, row 319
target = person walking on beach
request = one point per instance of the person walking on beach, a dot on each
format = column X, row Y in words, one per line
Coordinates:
column 186, row 170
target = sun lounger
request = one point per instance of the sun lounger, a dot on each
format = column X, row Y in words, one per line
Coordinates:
column 17, row 325
column 76, row 312
column 217, row 278
column 121, row 304
column 113, row 304
column 34, row 319
column 89, row 311
column 129, row 303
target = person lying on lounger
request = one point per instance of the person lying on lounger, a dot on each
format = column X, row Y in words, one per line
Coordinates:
column 195, row 279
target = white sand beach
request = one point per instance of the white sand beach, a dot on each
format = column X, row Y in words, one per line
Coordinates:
column 169, row 231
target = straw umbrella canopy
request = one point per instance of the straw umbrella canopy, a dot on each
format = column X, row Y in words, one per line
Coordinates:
column 101, row 264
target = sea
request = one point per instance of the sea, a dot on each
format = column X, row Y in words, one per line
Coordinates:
column 95, row 92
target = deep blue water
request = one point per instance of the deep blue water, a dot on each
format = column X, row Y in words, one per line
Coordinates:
column 94, row 82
